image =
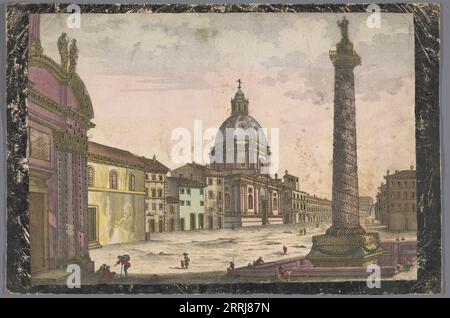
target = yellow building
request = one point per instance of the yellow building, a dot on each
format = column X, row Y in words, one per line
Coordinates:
column 116, row 197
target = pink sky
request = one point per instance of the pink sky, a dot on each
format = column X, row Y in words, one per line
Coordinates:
column 149, row 74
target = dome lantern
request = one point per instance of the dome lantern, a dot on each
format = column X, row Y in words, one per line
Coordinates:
column 239, row 104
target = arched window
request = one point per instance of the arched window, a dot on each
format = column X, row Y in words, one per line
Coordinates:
column 227, row 200
column 113, row 179
column 250, row 202
column 132, row 183
column 91, row 176
column 275, row 203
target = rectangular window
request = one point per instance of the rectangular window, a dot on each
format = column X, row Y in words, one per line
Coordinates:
column 160, row 206
column 201, row 191
column 182, row 190
column 182, row 203
column 219, row 181
column 153, row 177
column 219, row 195
column 153, row 193
column 154, row 206
column 188, row 203
column 210, row 195
column 161, row 177
column 202, row 203
column 210, row 181
column 188, row 191
column 160, row 193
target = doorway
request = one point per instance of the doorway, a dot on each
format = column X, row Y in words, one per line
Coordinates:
column 210, row 222
column 152, row 226
column 201, row 222
column 37, row 230
column 92, row 226
column 192, row 223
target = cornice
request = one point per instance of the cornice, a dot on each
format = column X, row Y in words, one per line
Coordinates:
column 53, row 106
column 36, row 58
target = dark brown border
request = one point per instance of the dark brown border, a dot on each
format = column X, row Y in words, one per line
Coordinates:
column 427, row 112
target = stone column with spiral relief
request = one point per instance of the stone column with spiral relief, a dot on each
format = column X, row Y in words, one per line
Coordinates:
column 345, row 243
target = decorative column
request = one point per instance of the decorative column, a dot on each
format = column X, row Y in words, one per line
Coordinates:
column 345, row 243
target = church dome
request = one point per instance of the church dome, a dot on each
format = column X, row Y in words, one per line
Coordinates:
column 250, row 150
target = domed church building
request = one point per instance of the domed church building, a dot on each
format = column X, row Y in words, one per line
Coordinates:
column 241, row 156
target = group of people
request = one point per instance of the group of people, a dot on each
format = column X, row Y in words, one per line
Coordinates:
column 122, row 260
column 258, row 261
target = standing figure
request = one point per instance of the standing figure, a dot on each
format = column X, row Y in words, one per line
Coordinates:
column 73, row 55
column 284, row 249
column 124, row 261
column 63, row 43
column 187, row 260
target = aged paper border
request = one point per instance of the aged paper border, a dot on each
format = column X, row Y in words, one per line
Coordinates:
column 427, row 113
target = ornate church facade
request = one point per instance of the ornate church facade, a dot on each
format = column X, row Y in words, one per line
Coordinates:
column 59, row 116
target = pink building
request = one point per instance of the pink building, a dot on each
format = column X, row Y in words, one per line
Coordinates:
column 59, row 115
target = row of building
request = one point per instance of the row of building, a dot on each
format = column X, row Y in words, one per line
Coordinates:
column 130, row 197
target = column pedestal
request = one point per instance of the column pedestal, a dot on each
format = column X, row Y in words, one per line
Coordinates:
column 357, row 250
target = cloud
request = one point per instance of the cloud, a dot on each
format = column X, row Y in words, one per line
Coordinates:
column 157, row 84
column 288, row 60
column 204, row 34
column 314, row 96
column 268, row 81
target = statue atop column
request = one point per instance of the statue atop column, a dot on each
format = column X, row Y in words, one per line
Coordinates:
column 73, row 56
column 343, row 24
column 63, row 43
column 69, row 55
